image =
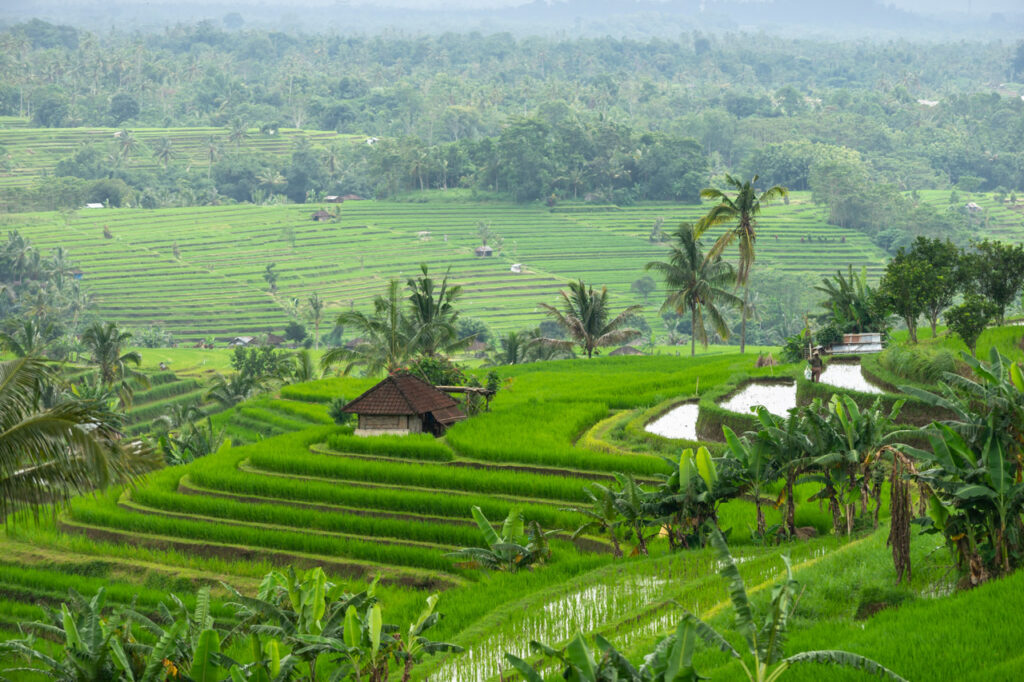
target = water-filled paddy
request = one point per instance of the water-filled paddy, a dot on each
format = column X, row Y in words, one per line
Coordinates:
column 779, row 398
column 679, row 422
column 849, row 377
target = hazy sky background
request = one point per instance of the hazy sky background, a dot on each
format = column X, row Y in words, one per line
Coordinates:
column 922, row 6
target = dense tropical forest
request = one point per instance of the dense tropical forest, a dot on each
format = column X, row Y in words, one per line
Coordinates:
column 645, row 354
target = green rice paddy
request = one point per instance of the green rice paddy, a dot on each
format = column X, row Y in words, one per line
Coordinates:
column 396, row 507
column 215, row 287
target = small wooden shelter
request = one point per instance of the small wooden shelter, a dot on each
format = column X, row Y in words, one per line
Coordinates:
column 321, row 216
column 483, row 251
column 858, row 344
column 403, row 404
column 626, row 350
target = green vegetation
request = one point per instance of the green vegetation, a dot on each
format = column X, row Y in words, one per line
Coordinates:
column 344, row 262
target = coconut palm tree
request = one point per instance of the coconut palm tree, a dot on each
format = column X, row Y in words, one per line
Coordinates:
column 433, row 315
column 385, row 340
column 128, row 144
column 741, row 211
column 164, row 152
column 584, row 316
column 212, row 149
column 512, row 349
column 48, row 455
column 30, row 338
column 240, row 387
column 238, row 131
column 696, row 285
column 316, row 311
column 104, row 343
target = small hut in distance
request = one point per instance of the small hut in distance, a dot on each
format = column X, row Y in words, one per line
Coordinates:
column 483, row 251
column 404, row 404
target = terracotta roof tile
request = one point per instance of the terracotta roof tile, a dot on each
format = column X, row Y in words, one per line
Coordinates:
column 401, row 394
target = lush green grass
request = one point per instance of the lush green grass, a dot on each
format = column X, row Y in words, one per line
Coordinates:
column 398, row 505
column 414, row 446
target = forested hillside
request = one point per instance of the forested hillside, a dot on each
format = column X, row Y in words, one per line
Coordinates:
column 617, row 121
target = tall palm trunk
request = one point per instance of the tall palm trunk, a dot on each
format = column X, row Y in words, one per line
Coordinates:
column 743, row 322
column 693, row 332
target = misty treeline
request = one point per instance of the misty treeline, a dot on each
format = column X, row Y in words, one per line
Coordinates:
column 858, row 123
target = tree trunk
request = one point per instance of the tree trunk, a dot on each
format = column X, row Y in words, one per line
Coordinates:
column 912, row 327
column 617, row 550
column 641, row 543
column 693, row 332
column 760, row 517
column 743, row 318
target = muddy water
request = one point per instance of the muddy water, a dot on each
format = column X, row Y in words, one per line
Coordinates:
column 778, row 398
column 679, row 422
column 849, row 377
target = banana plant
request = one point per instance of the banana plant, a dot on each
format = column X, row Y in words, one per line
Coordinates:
column 993, row 401
column 978, row 500
column 601, row 514
column 90, row 641
column 304, row 616
column 763, row 639
column 686, row 501
column 756, row 471
column 849, row 461
column 670, row 661
column 518, row 546
column 631, row 504
column 789, row 444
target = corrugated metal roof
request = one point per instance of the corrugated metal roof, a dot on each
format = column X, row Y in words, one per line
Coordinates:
column 402, row 394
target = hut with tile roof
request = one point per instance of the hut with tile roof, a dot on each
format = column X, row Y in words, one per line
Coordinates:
column 403, row 404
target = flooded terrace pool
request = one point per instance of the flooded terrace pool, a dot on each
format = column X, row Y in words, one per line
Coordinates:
column 679, row 422
column 779, row 398
column 849, row 377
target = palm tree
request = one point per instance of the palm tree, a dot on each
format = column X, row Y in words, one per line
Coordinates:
column 104, row 343
column 238, row 131
column 230, row 392
column 432, row 314
column 128, row 143
column 695, row 283
column 741, row 210
column 164, row 151
column 513, row 349
column 316, row 311
column 585, row 319
column 212, row 148
column 28, row 339
column 49, row 455
column 303, row 367
column 386, row 341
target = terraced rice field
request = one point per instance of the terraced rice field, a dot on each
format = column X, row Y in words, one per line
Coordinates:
column 215, row 288
column 996, row 220
column 33, row 152
column 304, row 492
